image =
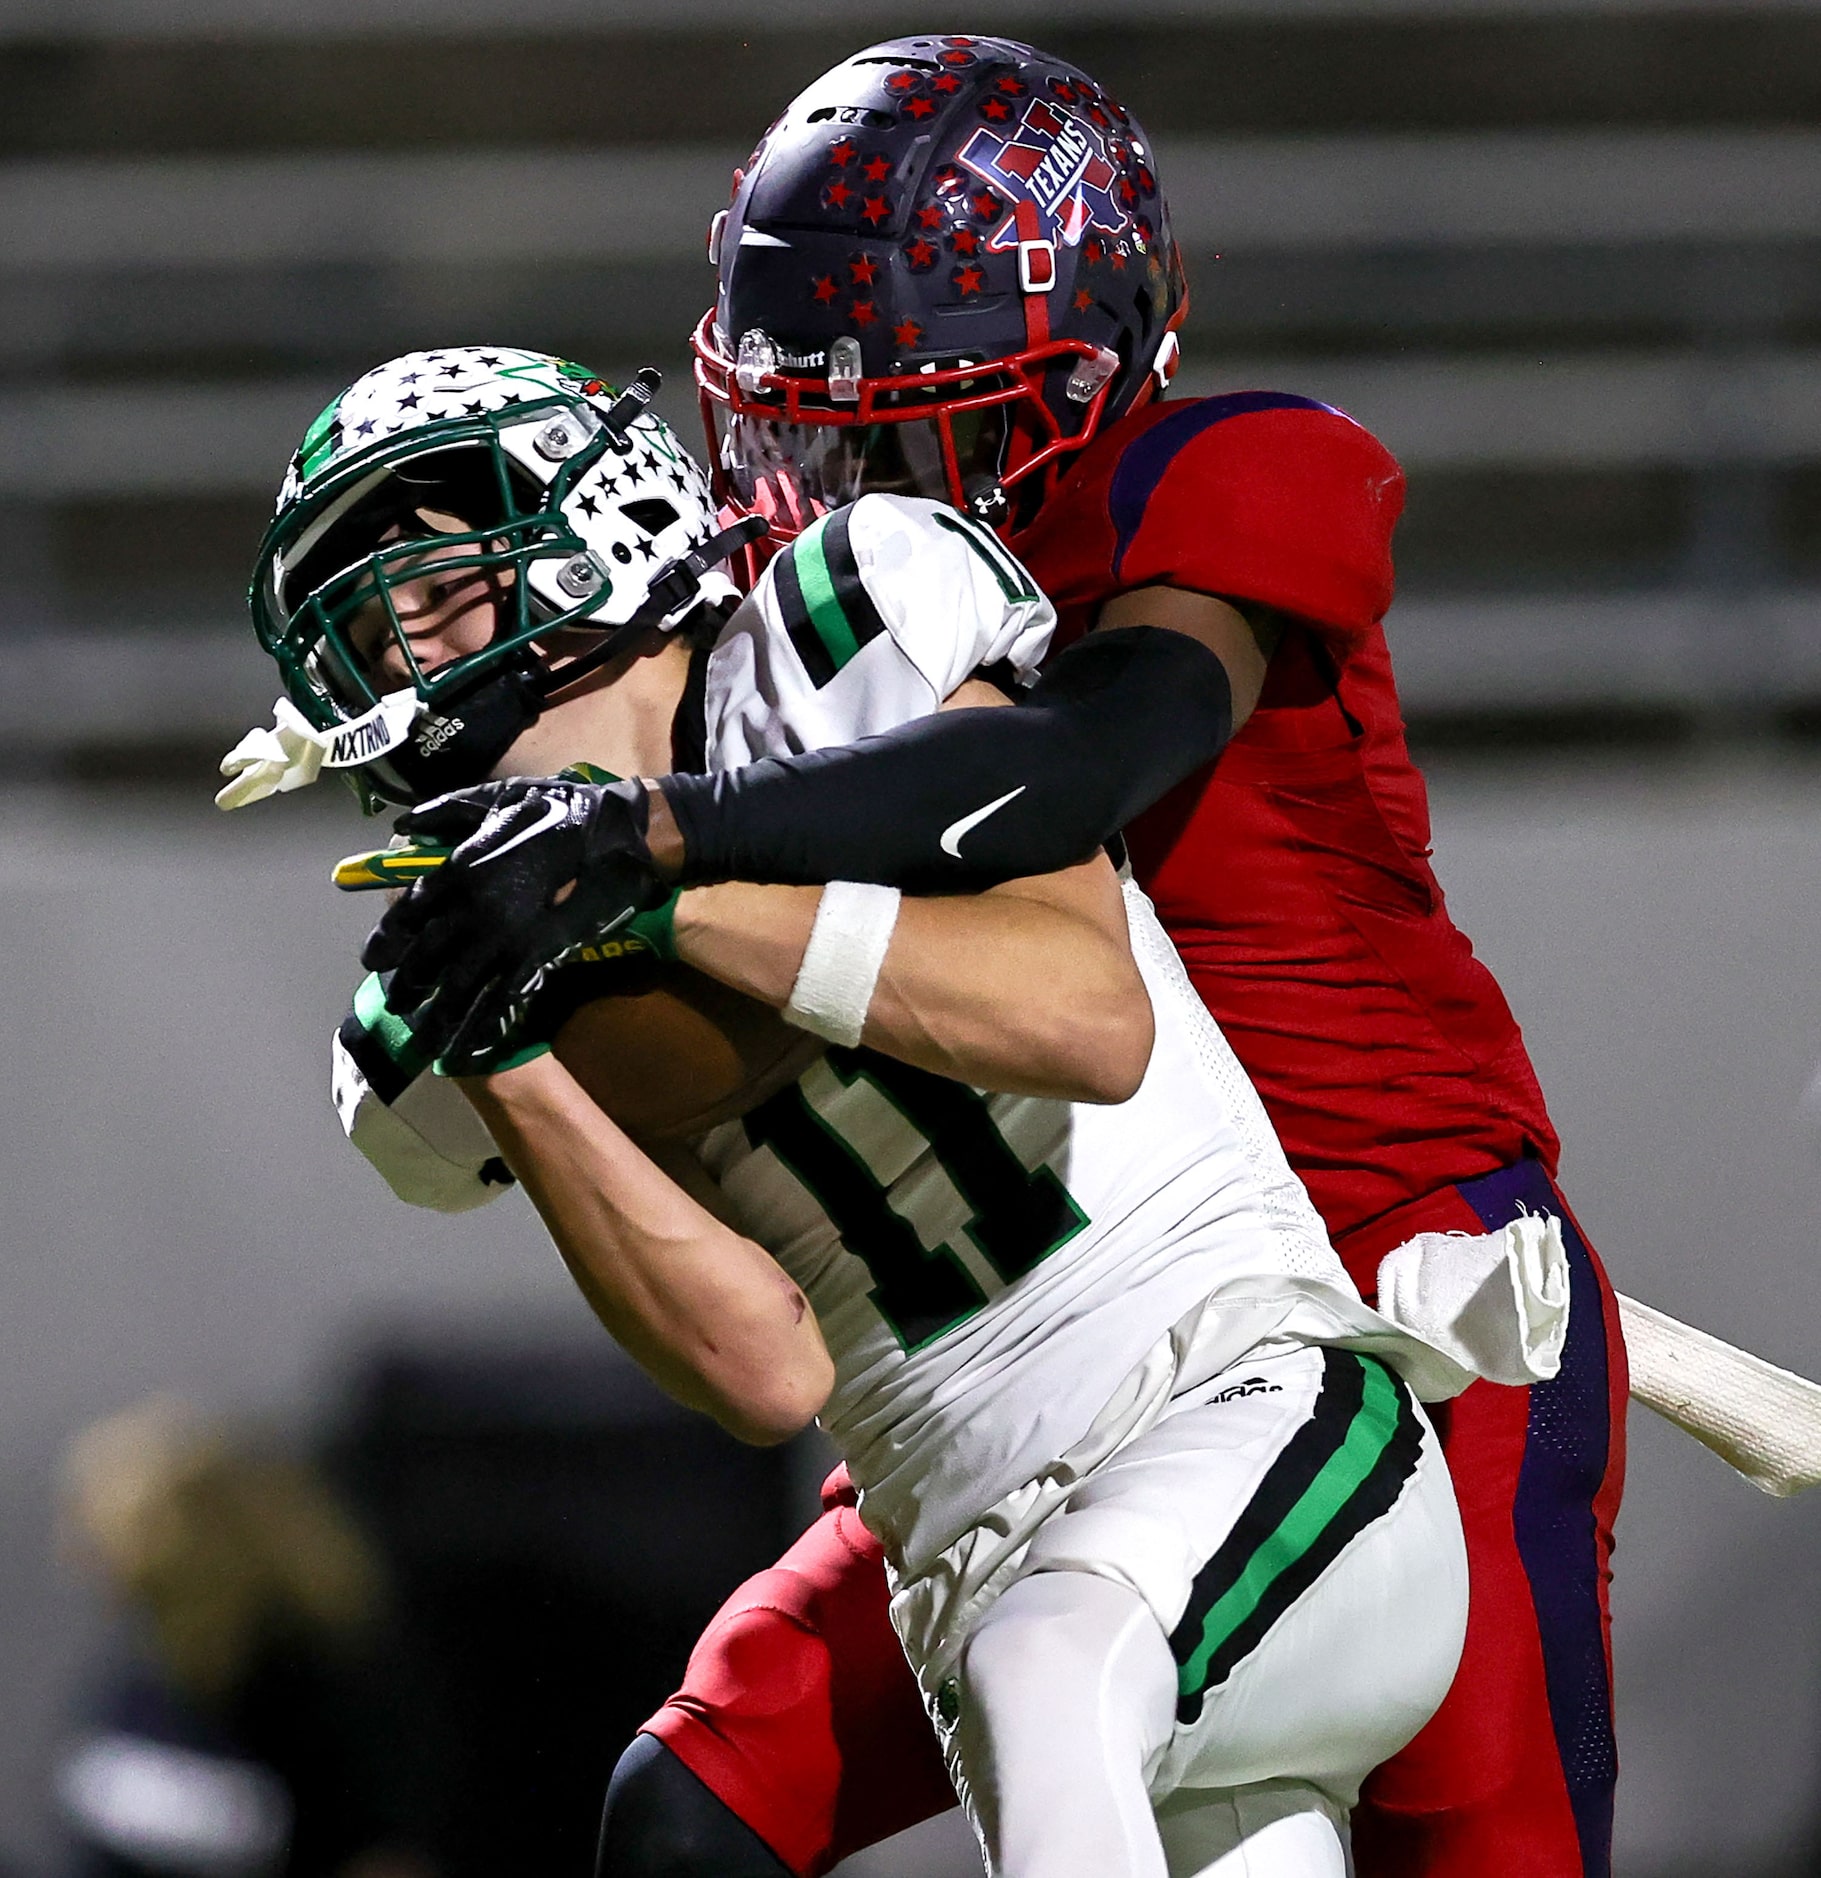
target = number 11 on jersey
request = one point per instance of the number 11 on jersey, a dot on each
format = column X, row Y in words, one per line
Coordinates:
column 1019, row 1215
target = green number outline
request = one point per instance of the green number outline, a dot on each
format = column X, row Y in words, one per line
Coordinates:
column 768, row 1126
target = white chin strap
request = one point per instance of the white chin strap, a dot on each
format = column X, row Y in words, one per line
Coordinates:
column 291, row 753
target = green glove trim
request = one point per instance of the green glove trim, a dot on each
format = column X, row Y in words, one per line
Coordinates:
column 529, row 1053
column 393, row 1031
column 657, row 926
column 655, row 929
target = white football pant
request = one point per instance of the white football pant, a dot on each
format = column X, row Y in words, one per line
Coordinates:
column 1239, row 1615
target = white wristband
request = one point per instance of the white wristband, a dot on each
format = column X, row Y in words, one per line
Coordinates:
column 842, row 962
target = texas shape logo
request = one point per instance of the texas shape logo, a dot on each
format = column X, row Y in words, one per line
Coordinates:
column 1059, row 164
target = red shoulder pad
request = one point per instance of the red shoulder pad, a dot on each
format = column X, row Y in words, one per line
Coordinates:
column 1259, row 496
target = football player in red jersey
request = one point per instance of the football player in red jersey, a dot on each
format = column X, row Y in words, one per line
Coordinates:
column 948, row 270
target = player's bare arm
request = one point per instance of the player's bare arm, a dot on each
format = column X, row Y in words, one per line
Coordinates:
column 707, row 1313
column 1028, row 988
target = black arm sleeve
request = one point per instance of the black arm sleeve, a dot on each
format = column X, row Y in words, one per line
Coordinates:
column 965, row 799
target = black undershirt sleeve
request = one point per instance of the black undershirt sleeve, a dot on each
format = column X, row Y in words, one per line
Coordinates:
column 968, row 798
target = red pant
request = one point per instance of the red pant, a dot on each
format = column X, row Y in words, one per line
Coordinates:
column 799, row 1711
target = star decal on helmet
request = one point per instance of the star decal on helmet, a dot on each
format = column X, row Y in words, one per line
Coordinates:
column 876, row 168
column 907, row 333
column 920, row 108
column 946, row 83
column 835, row 195
column 842, row 153
column 1083, row 299
column 902, row 81
column 824, row 289
column 929, row 216
column 969, row 279
column 864, row 269
column 985, row 204
column 996, row 111
column 1059, row 164
column 875, row 209
column 864, row 313
column 921, row 254
column 966, row 240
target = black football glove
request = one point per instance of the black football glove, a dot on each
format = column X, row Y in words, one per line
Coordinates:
column 542, row 870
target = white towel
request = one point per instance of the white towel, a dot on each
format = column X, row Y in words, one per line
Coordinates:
column 1496, row 1302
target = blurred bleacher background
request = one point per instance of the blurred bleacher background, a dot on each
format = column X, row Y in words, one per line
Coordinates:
column 1565, row 257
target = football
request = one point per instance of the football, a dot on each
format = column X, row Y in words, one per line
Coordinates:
column 678, row 1052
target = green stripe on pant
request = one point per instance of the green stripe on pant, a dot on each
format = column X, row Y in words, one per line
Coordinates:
column 1343, row 1469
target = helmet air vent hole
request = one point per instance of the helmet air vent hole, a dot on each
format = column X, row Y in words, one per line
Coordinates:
column 652, row 514
column 851, row 114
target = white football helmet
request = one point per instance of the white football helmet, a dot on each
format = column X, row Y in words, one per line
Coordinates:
column 596, row 520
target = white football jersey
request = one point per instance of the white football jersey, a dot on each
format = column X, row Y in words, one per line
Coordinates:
column 987, row 1269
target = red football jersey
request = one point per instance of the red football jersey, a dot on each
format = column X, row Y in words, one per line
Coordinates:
column 1294, row 872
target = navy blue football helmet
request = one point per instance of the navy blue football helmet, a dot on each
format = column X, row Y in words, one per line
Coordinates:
column 945, row 267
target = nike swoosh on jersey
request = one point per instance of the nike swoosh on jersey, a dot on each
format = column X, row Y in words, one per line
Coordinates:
column 951, row 835
column 554, row 812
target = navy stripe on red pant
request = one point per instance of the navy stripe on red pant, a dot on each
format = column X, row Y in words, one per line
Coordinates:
column 1566, row 1457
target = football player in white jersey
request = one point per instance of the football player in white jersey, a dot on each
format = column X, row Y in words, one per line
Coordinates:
column 1174, row 1555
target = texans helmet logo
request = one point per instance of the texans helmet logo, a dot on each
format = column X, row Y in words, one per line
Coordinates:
column 1057, row 162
